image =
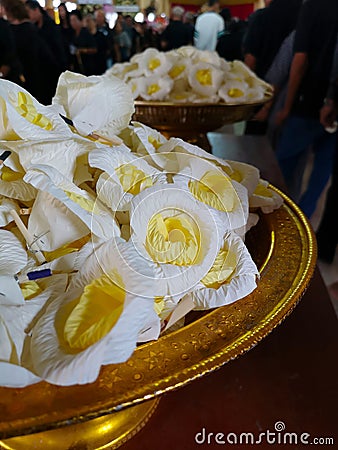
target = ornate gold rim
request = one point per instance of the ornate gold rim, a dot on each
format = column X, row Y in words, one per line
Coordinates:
column 186, row 354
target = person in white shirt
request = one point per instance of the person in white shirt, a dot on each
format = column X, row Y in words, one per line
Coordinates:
column 209, row 27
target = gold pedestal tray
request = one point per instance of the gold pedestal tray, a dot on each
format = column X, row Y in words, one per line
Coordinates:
column 192, row 121
column 282, row 245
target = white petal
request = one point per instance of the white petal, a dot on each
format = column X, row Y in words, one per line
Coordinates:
column 13, row 256
column 14, row 376
column 265, row 198
column 54, row 222
column 101, row 105
column 241, row 284
column 6, row 205
column 94, row 214
column 41, row 122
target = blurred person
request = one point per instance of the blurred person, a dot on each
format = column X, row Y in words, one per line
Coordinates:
column 132, row 33
column 48, row 30
column 307, row 86
column 103, row 28
column 101, row 22
column 189, row 21
column 267, row 32
column 122, row 43
column 101, row 43
column 229, row 44
column 31, row 50
column 51, row 34
column 209, row 27
column 67, row 31
column 10, row 68
column 176, row 33
column 263, row 40
column 327, row 233
column 83, row 46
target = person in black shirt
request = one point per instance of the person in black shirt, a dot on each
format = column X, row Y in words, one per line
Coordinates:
column 67, row 31
column 83, row 46
column 51, row 35
column 177, row 33
column 315, row 42
column 31, row 50
column 229, row 45
column 101, row 43
column 10, row 68
column 265, row 35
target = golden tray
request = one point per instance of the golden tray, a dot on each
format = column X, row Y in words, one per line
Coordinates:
column 282, row 245
column 191, row 121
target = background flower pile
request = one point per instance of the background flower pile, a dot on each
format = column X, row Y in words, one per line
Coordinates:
column 190, row 75
column 131, row 225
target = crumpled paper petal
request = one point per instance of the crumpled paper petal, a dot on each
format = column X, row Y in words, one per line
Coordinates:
column 95, row 104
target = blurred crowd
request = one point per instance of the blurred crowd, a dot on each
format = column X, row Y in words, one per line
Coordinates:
column 34, row 50
column 292, row 45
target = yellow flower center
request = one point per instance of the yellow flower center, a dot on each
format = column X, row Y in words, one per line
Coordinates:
column 30, row 289
column 262, row 191
column 173, row 240
column 175, row 71
column 204, row 77
column 86, row 203
column 216, row 190
column 87, row 319
column 26, row 109
column 235, row 93
column 72, row 247
column 222, row 269
column 132, row 179
column 8, row 174
column 153, row 88
column 153, row 63
column 154, row 142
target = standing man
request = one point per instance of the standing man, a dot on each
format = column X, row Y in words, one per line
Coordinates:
column 177, row 33
column 315, row 41
column 209, row 27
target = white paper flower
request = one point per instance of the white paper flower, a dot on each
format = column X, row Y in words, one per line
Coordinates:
column 88, row 102
column 24, row 117
column 98, row 320
column 54, row 223
column 212, row 186
column 234, row 91
column 6, row 205
column 205, row 79
column 265, row 198
column 66, row 155
column 245, row 174
column 232, row 276
column 124, row 71
column 90, row 210
column 153, row 62
column 155, row 87
column 176, row 232
column 13, row 186
column 15, row 325
column 125, row 175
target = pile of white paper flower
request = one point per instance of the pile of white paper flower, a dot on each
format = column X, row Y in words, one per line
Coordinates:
column 190, row 75
column 109, row 233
